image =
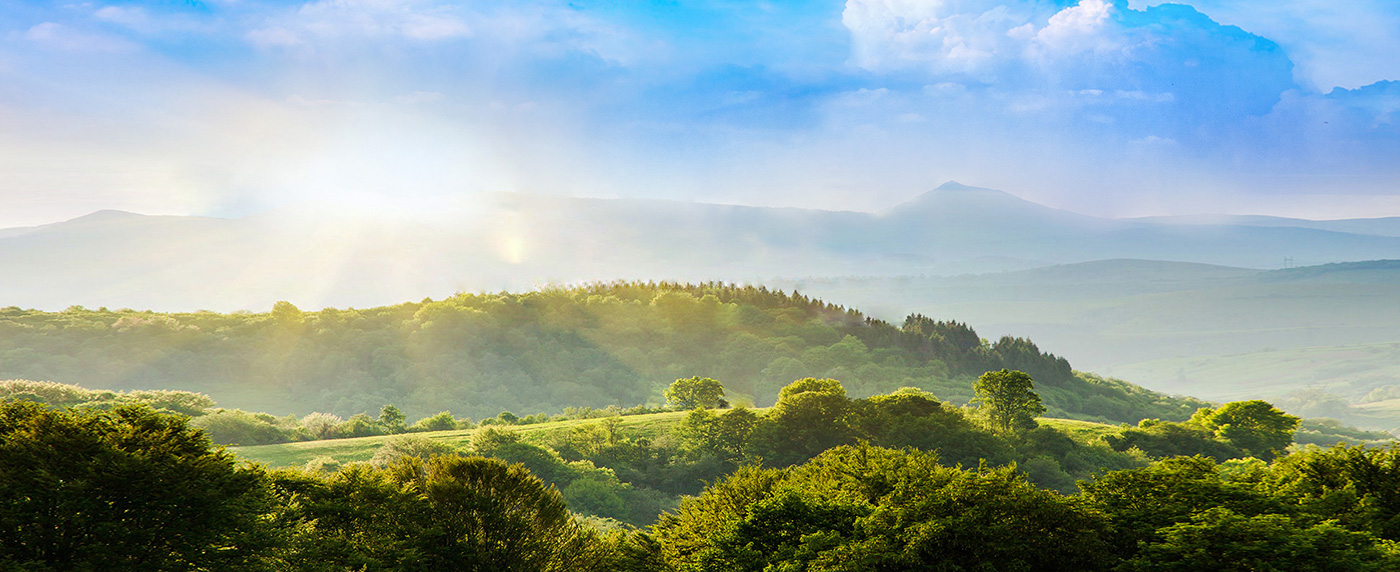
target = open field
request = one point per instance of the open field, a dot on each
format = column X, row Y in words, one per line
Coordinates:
column 649, row 426
column 1082, row 431
column 362, row 448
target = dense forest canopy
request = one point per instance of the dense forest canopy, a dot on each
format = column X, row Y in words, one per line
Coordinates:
column 128, row 488
column 592, row 346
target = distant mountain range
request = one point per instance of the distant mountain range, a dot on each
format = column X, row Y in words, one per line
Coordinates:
column 511, row 241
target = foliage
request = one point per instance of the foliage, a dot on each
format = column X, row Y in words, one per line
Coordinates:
column 445, row 513
column 1220, row 540
column 122, row 489
column 1143, row 501
column 1009, row 400
column 867, row 508
column 1163, row 439
column 1255, row 427
column 1325, row 432
column 1356, row 486
column 392, row 420
column 693, row 392
column 811, row 416
column 401, row 446
column 238, row 427
column 130, row 488
column 65, row 395
column 442, row 421
column 587, row 347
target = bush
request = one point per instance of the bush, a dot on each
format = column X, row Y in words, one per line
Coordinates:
column 238, row 427
column 400, row 446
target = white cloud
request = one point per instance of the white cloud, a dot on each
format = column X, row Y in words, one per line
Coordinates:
column 330, row 19
column 131, row 17
column 62, row 37
column 1086, row 27
column 948, row 36
column 1334, row 44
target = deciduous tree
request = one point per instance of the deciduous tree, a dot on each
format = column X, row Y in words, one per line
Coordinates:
column 1009, row 399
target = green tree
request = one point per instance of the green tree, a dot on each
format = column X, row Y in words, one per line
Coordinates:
column 1009, row 400
column 1167, row 439
column 859, row 508
column 286, row 314
column 442, row 421
column 392, row 420
column 1359, row 487
column 693, row 392
column 811, row 416
column 488, row 516
column 1219, row 540
column 400, row 446
column 1256, row 427
column 1139, row 502
column 123, row 489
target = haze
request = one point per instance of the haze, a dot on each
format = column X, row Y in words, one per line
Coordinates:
column 228, row 108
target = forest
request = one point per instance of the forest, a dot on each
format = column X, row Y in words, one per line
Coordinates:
column 477, row 355
column 818, row 482
column 917, row 447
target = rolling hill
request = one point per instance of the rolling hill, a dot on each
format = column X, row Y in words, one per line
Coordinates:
column 517, row 242
column 1216, row 332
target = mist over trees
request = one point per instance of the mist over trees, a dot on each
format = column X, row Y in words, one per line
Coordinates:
column 480, row 354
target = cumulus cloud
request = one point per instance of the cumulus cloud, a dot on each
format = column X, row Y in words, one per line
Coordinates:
column 1056, row 53
column 1334, row 44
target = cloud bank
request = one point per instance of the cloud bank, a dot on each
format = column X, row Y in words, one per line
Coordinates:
column 1111, row 107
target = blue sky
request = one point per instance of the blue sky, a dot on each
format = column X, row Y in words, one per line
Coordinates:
column 227, row 107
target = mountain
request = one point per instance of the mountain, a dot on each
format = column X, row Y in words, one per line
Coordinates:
column 493, row 242
column 1388, row 226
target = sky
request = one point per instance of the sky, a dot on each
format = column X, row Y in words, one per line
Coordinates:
column 1107, row 107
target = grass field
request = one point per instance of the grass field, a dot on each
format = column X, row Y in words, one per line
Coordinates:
column 1082, row 431
column 362, row 448
column 649, row 426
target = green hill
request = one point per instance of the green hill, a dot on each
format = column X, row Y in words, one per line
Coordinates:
column 356, row 449
column 593, row 346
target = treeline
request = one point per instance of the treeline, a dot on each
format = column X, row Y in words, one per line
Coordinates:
column 239, row 427
column 128, row 488
column 604, row 471
column 597, row 346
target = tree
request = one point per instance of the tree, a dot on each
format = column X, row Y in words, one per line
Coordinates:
column 286, row 314
column 692, row 392
column 811, row 416
column 122, row 489
column 488, row 516
column 1220, row 540
column 399, row 446
column 391, row 419
column 1008, row 399
column 442, row 421
column 858, row 508
column 1256, row 427
column 1142, row 501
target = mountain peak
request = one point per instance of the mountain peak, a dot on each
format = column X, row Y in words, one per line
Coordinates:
column 107, row 215
column 956, row 186
column 956, row 196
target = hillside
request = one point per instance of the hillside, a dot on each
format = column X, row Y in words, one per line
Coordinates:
column 646, row 426
column 477, row 355
column 1210, row 331
column 493, row 242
